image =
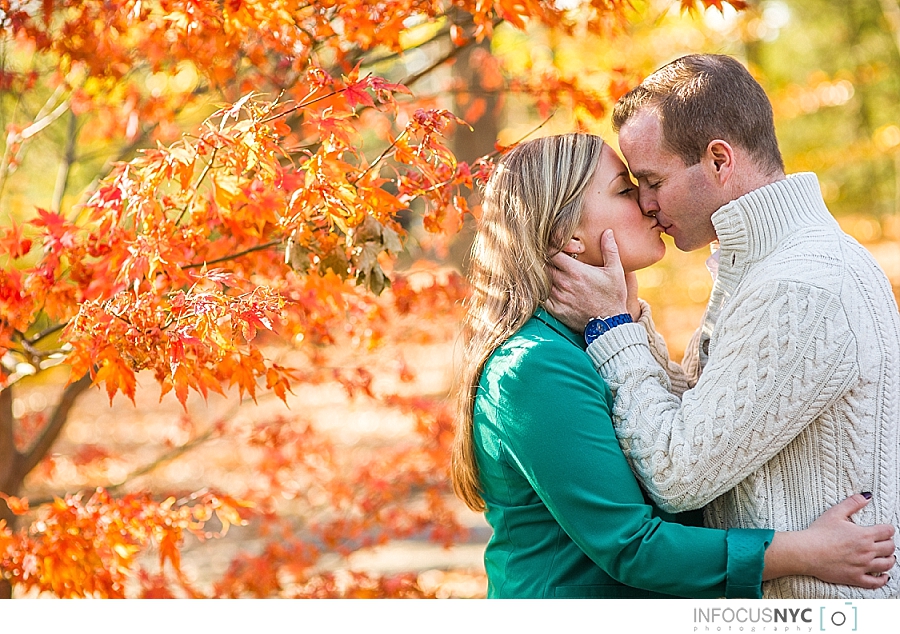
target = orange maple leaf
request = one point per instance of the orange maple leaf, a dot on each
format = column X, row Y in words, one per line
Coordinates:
column 19, row 506
column 117, row 375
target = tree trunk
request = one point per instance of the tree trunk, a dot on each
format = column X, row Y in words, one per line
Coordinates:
column 9, row 462
column 15, row 465
column 476, row 95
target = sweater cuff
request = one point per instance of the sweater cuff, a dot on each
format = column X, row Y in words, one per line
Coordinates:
column 746, row 557
column 618, row 341
column 646, row 317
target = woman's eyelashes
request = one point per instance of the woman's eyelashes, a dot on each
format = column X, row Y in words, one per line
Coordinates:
column 628, row 187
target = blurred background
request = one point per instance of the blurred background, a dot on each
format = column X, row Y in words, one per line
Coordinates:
column 830, row 67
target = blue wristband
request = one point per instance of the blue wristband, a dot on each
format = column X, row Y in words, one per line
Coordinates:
column 599, row 325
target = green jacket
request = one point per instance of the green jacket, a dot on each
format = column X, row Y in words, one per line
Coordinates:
column 569, row 519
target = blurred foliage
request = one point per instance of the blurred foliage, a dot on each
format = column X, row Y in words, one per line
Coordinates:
column 831, row 69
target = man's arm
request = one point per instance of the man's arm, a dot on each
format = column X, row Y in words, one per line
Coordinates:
column 778, row 358
column 682, row 376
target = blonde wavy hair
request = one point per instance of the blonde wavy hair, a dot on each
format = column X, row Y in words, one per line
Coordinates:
column 532, row 205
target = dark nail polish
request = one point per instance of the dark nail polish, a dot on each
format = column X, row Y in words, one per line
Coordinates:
column 867, row 495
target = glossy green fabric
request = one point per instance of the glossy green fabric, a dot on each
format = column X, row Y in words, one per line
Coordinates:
column 569, row 519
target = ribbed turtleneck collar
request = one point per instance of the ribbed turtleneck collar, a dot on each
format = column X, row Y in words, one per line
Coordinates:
column 755, row 223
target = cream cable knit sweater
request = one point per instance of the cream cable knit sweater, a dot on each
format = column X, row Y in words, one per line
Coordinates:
column 797, row 404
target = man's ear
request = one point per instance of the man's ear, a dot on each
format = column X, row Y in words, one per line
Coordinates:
column 574, row 247
column 721, row 160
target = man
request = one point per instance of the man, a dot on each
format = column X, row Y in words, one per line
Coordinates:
column 791, row 398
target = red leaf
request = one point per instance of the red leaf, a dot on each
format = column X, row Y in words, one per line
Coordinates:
column 12, row 242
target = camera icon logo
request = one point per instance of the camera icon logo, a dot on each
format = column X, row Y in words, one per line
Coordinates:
column 840, row 619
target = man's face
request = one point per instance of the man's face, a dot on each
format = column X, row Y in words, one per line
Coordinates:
column 682, row 198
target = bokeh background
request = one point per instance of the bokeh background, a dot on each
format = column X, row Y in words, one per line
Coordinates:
column 832, row 71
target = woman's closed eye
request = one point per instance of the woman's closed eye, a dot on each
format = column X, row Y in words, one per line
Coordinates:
column 627, row 187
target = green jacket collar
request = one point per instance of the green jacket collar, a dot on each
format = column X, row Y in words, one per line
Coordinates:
column 576, row 338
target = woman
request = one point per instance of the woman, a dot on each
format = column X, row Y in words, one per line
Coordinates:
column 535, row 448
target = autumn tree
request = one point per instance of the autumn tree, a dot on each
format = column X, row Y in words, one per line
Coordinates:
column 187, row 185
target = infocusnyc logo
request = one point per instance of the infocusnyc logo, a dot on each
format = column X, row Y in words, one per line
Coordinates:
column 833, row 618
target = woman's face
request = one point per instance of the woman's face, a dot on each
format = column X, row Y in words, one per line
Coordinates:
column 611, row 202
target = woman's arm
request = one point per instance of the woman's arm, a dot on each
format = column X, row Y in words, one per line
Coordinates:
column 555, row 429
column 834, row 549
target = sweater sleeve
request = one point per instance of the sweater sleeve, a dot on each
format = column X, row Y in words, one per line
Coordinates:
column 559, row 436
column 682, row 377
column 780, row 355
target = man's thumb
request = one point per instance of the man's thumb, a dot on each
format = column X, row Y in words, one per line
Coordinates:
column 610, row 250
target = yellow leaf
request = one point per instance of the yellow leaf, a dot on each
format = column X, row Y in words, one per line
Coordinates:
column 124, row 551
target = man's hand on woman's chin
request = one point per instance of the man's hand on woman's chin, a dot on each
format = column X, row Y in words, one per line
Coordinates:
column 581, row 292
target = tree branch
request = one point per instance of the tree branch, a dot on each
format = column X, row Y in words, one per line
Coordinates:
column 206, row 169
column 168, row 456
column 443, row 32
column 409, row 81
column 46, row 333
column 15, row 141
column 380, row 157
column 9, row 455
column 43, row 122
column 65, row 168
column 51, row 430
column 234, row 256
column 304, row 104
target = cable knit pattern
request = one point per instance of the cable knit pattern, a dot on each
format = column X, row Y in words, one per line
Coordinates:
column 797, row 405
column 681, row 377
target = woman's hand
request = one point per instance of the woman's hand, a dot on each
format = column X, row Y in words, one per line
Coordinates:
column 581, row 292
column 835, row 550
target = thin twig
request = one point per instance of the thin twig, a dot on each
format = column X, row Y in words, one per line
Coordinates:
column 206, row 169
column 65, row 168
column 259, row 247
column 524, row 136
column 169, row 456
column 438, row 35
column 380, row 156
column 305, row 104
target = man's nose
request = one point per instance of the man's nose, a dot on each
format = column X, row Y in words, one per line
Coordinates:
column 648, row 203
